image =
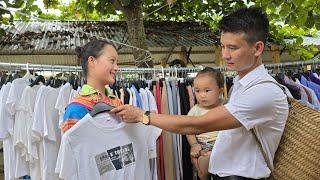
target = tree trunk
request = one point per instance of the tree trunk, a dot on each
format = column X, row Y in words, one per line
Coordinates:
column 136, row 32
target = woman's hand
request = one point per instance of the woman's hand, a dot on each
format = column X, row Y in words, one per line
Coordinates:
column 128, row 113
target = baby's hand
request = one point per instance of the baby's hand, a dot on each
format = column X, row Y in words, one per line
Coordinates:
column 195, row 150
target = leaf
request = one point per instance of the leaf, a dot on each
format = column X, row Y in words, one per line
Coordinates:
column 301, row 16
column 125, row 3
column 299, row 41
column 2, row 32
column 34, row 8
column 285, row 10
column 317, row 20
column 310, row 20
column 297, row 2
column 17, row 4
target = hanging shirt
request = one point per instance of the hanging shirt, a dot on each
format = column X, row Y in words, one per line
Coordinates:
column 315, row 87
column 103, row 147
column 314, row 99
column 23, row 123
column 45, row 133
column 204, row 137
column 144, row 99
column 130, row 96
column 14, row 97
column 6, row 119
column 83, row 104
column 263, row 107
column 6, row 134
column 313, row 78
column 122, row 95
column 23, row 127
column 151, row 101
column 136, row 97
column 63, row 100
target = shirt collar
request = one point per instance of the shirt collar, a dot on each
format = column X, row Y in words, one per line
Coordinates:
column 252, row 75
column 88, row 90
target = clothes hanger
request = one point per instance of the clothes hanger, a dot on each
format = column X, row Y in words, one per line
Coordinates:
column 38, row 79
column 100, row 108
column 28, row 75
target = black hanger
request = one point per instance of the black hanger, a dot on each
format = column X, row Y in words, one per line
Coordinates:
column 49, row 81
column 39, row 78
column 9, row 78
column 100, row 108
column 16, row 76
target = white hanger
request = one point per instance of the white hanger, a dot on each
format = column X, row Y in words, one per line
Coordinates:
column 28, row 75
column 162, row 70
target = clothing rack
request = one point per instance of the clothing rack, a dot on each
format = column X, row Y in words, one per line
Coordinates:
column 63, row 68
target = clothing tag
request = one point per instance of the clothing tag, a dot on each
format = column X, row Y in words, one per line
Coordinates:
column 308, row 67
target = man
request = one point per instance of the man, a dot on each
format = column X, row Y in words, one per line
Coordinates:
column 252, row 104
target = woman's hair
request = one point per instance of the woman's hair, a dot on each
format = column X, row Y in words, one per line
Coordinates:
column 215, row 74
column 92, row 48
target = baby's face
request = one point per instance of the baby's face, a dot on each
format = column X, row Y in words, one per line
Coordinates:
column 206, row 91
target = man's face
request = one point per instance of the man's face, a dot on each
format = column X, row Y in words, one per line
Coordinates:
column 238, row 53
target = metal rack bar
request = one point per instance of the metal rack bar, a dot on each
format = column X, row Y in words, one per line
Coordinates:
column 63, row 68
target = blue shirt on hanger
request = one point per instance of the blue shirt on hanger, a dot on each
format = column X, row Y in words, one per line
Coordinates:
column 315, row 87
column 138, row 97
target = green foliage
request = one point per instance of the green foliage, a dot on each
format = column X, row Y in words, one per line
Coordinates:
column 288, row 18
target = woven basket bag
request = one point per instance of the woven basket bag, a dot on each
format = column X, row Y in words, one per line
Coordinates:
column 298, row 154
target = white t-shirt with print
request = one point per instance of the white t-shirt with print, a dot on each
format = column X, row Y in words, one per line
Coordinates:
column 103, row 148
column 12, row 103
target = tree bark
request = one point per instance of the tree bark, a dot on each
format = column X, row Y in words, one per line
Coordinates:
column 136, row 31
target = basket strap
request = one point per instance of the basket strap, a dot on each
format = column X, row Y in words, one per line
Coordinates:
column 254, row 131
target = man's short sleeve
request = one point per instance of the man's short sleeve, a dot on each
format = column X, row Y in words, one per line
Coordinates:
column 254, row 106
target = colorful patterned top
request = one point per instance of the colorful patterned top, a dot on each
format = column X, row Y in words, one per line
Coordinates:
column 83, row 104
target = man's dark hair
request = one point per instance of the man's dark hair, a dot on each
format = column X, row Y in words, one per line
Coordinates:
column 252, row 21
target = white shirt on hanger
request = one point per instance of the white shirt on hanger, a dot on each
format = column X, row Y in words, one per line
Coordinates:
column 63, row 100
column 6, row 134
column 35, row 146
column 6, row 119
column 46, row 127
column 263, row 107
column 103, row 148
column 144, row 99
column 131, row 97
column 134, row 97
column 24, row 126
column 23, row 123
column 14, row 97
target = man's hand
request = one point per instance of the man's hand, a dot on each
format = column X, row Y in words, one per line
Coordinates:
column 128, row 113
